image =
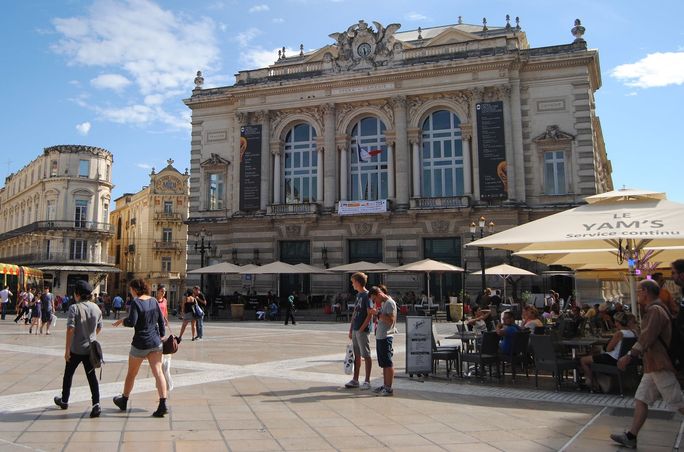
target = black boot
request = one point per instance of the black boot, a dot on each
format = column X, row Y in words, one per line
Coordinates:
column 121, row 401
column 95, row 412
column 60, row 403
column 161, row 409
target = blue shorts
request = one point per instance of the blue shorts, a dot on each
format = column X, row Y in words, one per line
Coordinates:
column 385, row 352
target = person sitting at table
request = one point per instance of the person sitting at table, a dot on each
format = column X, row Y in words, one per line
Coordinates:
column 611, row 355
column 273, row 310
column 479, row 322
column 605, row 319
column 506, row 330
column 530, row 318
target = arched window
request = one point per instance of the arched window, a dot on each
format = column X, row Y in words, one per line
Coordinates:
column 442, row 158
column 301, row 162
column 368, row 160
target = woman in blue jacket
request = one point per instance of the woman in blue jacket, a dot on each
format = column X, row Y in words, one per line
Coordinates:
column 148, row 322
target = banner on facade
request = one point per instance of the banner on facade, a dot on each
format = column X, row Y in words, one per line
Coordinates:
column 361, row 207
column 491, row 145
column 250, row 167
column 418, row 345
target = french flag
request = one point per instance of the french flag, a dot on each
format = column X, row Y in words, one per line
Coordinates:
column 366, row 153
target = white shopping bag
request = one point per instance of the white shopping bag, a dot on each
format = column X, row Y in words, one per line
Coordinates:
column 54, row 320
column 349, row 360
column 166, row 368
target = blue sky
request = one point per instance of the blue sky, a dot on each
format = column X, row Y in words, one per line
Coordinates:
column 113, row 73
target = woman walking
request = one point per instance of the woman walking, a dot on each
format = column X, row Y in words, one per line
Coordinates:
column 147, row 320
column 35, row 306
column 166, row 359
column 84, row 323
column 187, row 314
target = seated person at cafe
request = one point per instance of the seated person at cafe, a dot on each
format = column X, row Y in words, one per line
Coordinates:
column 530, row 318
column 273, row 310
column 605, row 319
column 481, row 320
column 506, row 330
column 610, row 356
column 261, row 312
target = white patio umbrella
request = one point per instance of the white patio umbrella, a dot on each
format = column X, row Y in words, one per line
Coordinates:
column 362, row 266
column 220, row 268
column 311, row 268
column 612, row 228
column 504, row 271
column 273, row 268
column 427, row 266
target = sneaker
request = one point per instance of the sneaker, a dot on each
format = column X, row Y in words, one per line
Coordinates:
column 365, row 386
column 386, row 392
column 59, row 403
column 621, row 438
column 379, row 389
column 352, row 384
column 95, row 412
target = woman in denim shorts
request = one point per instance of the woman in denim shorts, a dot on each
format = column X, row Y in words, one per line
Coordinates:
column 147, row 320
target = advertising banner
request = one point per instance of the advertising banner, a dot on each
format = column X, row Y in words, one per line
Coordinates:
column 418, row 345
column 361, row 207
column 250, row 167
column 491, row 145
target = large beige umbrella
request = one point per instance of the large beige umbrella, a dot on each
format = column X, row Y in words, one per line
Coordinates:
column 504, row 271
column 273, row 268
column 311, row 268
column 615, row 229
column 427, row 266
column 220, row 268
column 362, row 266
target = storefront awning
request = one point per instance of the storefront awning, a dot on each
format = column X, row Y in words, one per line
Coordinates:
column 80, row 268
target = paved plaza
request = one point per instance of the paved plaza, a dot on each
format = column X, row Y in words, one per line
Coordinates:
column 262, row 386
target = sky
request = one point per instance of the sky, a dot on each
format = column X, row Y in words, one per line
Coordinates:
column 113, row 73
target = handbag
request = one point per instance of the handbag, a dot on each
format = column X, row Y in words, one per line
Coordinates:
column 349, row 360
column 197, row 310
column 170, row 345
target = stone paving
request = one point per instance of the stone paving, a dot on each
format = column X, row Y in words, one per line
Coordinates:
column 263, row 386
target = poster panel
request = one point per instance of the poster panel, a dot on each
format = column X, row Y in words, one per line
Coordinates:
column 418, row 345
column 250, row 167
column 491, row 145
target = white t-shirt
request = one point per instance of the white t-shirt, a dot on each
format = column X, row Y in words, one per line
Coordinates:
column 4, row 295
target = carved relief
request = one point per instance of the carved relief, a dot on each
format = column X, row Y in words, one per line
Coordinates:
column 363, row 228
column 293, row 230
column 362, row 47
column 440, row 226
column 241, row 117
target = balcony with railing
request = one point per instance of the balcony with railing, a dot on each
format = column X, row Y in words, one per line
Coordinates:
column 438, row 203
column 292, row 209
column 170, row 217
column 60, row 225
column 168, row 245
column 33, row 259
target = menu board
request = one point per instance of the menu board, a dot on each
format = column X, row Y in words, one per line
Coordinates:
column 491, row 145
column 418, row 345
column 250, row 167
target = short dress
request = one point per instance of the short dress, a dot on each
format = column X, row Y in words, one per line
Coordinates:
column 35, row 310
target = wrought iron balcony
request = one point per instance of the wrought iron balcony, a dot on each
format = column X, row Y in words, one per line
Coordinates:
column 60, row 225
column 167, row 245
column 446, row 202
column 32, row 259
column 168, row 216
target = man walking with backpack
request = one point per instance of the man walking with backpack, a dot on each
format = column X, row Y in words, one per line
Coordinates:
column 659, row 377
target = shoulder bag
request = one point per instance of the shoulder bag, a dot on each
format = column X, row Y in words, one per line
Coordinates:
column 95, row 349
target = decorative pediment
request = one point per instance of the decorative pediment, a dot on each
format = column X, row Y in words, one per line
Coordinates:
column 552, row 135
column 362, row 46
column 215, row 160
column 452, row 36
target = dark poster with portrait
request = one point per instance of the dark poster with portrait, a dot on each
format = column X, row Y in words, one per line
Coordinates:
column 250, row 167
column 491, row 146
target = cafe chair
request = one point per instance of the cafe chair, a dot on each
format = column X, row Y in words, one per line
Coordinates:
column 545, row 359
column 449, row 354
column 488, row 354
column 518, row 355
column 610, row 369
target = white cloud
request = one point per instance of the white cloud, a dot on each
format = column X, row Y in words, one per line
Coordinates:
column 144, row 166
column 156, row 50
column 245, row 37
column 655, row 70
column 83, row 128
column 258, row 57
column 413, row 15
column 115, row 82
column 259, row 8
column 277, row 20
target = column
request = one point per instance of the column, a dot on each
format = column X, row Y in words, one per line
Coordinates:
column 320, row 144
column 330, row 164
column 265, row 117
column 466, row 134
column 518, row 152
column 414, row 138
column 276, row 150
column 402, row 152
column 476, row 96
column 504, row 93
column 343, row 146
column 389, row 140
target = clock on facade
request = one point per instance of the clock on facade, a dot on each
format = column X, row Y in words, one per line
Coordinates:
column 363, row 49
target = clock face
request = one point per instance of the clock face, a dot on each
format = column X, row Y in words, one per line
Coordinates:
column 364, row 49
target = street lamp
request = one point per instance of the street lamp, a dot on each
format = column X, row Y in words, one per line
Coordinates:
column 202, row 247
column 473, row 229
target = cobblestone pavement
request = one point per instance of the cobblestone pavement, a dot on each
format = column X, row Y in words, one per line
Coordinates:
column 264, row 386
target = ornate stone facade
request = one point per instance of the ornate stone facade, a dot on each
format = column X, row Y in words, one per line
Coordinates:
column 55, row 216
column 150, row 232
column 392, row 118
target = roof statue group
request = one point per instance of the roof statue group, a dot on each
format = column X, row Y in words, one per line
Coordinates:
column 363, row 46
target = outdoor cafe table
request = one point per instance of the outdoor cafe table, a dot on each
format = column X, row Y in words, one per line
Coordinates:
column 577, row 343
column 467, row 338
